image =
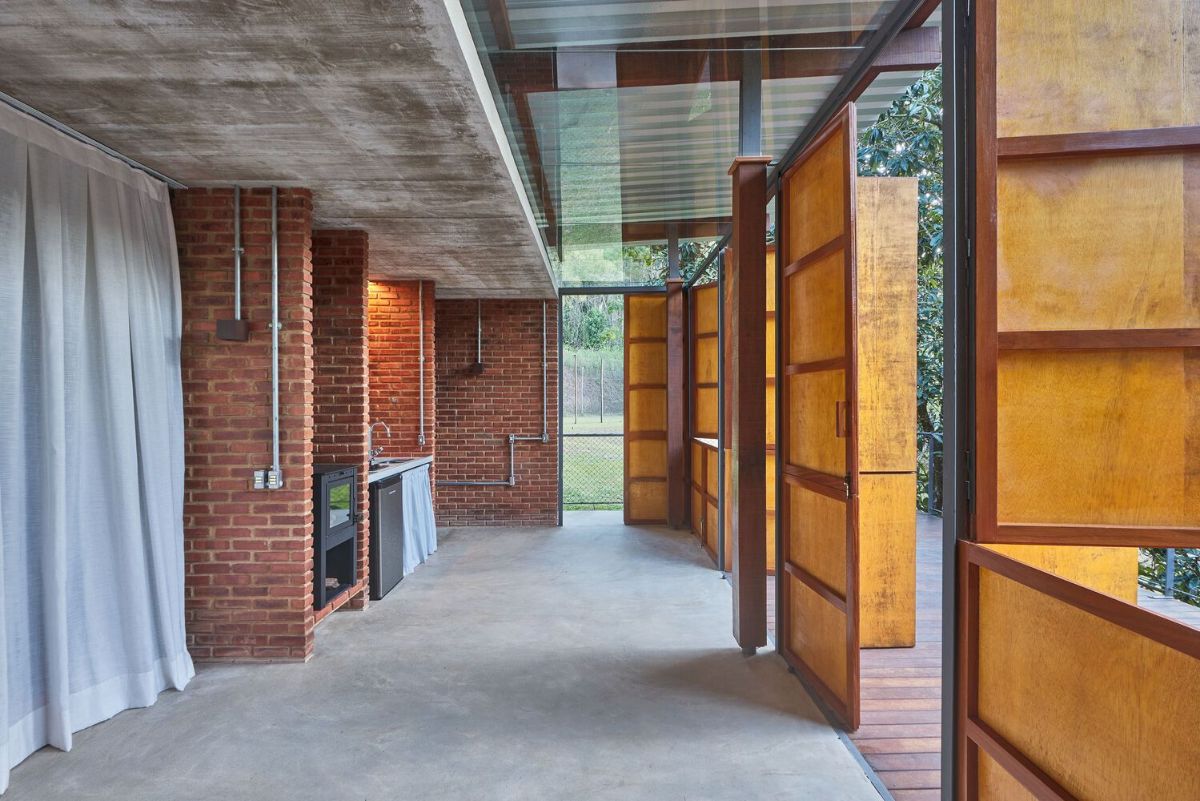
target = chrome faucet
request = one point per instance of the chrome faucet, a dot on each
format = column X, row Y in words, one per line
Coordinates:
column 372, row 451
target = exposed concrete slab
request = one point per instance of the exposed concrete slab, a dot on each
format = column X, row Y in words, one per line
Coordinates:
column 591, row 662
column 370, row 104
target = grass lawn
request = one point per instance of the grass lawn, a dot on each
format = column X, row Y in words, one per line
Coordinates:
column 590, row 424
column 593, row 467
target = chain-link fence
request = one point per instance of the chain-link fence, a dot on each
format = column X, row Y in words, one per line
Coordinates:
column 593, row 390
column 593, row 471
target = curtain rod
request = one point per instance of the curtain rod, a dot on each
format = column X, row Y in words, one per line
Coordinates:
column 87, row 140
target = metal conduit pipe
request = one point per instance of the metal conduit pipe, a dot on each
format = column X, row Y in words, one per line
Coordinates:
column 421, row 357
column 545, row 401
column 275, row 477
column 513, row 439
column 237, row 252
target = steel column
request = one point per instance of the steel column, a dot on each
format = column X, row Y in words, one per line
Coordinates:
column 957, row 398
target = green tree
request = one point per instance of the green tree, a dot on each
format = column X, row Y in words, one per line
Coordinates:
column 592, row 322
column 906, row 141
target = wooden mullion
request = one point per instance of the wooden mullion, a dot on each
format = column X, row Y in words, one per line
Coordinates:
column 1019, row 766
column 814, row 256
column 827, row 593
column 818, row 366
column 830, row 486
column 983, row 513
column 1142, row 622
column 1100, row 339
column 1172, row 139
column 1099, row 535
column 633, row 435
column 850, row 266
column 835, row 703
column 967, row 662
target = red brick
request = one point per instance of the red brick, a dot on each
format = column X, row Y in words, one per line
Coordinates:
column 476, row 413
column 228, row 526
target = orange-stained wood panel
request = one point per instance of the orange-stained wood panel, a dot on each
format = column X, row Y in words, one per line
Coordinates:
column 886, row 335
column 1127, row 422
column 887, row 525
column 1087, row 304
column 817, row 571
column 1054, row 272
column 646, row 491
column 1073, row 684
column 885, row 246
column 1063, row 66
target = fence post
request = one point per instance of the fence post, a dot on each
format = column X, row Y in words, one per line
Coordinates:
column 1169, row 579
column 601, row 389
column 576, row 389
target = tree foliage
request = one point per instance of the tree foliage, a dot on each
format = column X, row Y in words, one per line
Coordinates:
column 907, row 142
column 593, row 322
column 1152, row 572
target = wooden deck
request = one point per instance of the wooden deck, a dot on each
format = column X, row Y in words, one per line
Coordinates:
column 901, row 730
column 900, row 733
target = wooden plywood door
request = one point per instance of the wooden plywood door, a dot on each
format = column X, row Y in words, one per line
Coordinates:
column 818, row 614
column 646, row 408
column 770, row 401
column 1087, row 391
column 704, row 307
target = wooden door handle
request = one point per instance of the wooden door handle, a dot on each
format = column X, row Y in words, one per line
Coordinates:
column 843, row 419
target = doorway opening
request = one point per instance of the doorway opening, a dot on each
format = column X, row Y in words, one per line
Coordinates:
column 593, row 402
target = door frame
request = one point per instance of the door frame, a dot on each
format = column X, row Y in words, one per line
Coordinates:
column 958, row 398
column 563, row 293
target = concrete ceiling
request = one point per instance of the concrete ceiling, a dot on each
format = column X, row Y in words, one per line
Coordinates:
column 370, row 103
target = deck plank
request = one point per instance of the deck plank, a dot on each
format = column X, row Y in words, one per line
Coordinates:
column 900, row 731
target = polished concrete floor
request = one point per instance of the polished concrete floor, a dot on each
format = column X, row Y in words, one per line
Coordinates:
column 589, row 662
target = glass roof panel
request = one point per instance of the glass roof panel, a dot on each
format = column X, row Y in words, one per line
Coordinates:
column 623, row 115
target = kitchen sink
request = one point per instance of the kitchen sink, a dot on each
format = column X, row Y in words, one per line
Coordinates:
column 379, row 464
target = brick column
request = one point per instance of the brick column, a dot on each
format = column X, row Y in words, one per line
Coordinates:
column 248, row 553
column 340, row 398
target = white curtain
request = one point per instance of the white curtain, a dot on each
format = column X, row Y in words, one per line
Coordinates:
column 91, row 441
column 420, row 532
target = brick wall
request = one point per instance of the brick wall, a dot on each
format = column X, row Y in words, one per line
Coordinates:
column 248, row 580
column 476, row 413
column 340, row 400
column 395, row 368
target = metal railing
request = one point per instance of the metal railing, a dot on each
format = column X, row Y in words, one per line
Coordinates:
column 929, row 470
column 1172, row 572
column 593, row 471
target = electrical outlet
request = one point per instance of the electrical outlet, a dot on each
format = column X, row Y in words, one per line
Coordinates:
column 268, row 479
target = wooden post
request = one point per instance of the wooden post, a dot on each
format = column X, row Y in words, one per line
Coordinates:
column 748, row 296
column 677, row 416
